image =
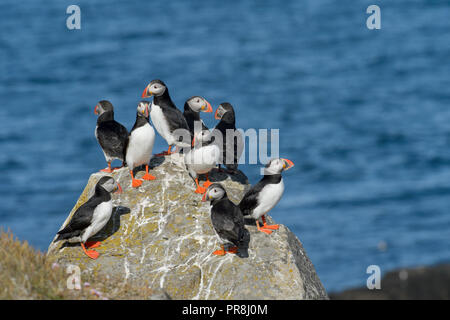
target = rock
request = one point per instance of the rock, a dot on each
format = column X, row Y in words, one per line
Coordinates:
column 418, row 283
column 161, row 235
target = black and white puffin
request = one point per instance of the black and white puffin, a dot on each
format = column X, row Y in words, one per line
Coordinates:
column 228, row 222
column 202, row 158
column 111, row 135
column 192, row 108
column 91, row 217
column 140, row 144
column 227, row 125
column 264, row 195
column 166, row 117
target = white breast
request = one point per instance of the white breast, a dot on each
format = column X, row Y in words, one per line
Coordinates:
column 140, row 146
column 202, row 160
column 102, row 214
column 268, row 198
column 160, row 123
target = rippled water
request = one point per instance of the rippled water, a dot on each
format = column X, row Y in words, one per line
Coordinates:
column 363, row 114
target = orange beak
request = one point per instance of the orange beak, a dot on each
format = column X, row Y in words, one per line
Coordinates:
column 215, row 115
column 96, row 109
column 145, row 93
column 119, row 191
column 209, row 109
column 288, row 164
column 146, row 111
column 204, row 197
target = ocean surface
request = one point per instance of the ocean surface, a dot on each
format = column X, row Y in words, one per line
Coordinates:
column 364, row 114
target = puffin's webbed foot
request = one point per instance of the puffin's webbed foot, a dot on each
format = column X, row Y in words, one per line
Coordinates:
column 262, row 229
column 147, row 176
column 220, row 252
column 92, row 244
column 90, row 253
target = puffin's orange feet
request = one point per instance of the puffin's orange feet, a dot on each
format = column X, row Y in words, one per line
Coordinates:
column 165, row 153
column 262, row 228
column 232, row 250
column 207, row 183
column 271, row 227
column 92, row 254
column 136, row 183
column 219, row 252
column 148, row 177
column 265, row 230
column 200, row 190
column 92, row 244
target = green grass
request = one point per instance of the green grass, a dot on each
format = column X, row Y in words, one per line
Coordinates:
column 26, row 273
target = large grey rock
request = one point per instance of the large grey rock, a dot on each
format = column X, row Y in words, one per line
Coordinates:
column 161, row 235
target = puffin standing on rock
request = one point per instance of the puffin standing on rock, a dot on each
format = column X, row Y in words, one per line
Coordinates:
column 140, row 144
column 202, row 158
column 165, row 116
column 264, row 195
column 228, row 222
column 232, row 150
column 192, row 108
column 91, row 217
column 111, row 135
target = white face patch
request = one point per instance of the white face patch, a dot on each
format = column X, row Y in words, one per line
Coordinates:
column 275, row 167
column 196, row 103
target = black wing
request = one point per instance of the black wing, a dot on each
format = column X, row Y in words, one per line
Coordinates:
column 228, row 221
column 250, row 200
column 113, row 138
column 175, row 119
column 81, row 219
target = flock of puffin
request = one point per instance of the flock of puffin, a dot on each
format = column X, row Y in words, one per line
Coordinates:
column 135, row 148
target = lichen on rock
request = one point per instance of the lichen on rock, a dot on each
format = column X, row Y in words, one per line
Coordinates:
column 160, row 234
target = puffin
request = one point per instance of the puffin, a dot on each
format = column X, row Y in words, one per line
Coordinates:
column 192, row 108
column 231, row 152
column 264, row 195
column 166, row 117
column 202, row 158
column 228, row 222
column 111, row 135
column 91, row 217
column 140, row 144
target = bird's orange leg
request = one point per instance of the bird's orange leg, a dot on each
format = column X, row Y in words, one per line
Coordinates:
column 92, row 244
column 220, row 252
column 262, row 229
column 135, row 182
column 90, row 253
column 199, row 189
column 108, row 170
column 266, row 226
column 207, row 183
column 148, row 176
column 165, row 153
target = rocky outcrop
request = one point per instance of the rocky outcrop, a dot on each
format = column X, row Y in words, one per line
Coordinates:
column 161, row 235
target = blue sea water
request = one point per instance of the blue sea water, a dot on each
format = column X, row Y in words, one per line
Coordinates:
column 363, row 114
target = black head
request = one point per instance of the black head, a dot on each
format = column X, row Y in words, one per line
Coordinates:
column 109, row 184
column 198, row 104
column 103, row 106
column 224, row 110
column 143, row 109
column 276, row 166
column 154, row 88
column 214, row 192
